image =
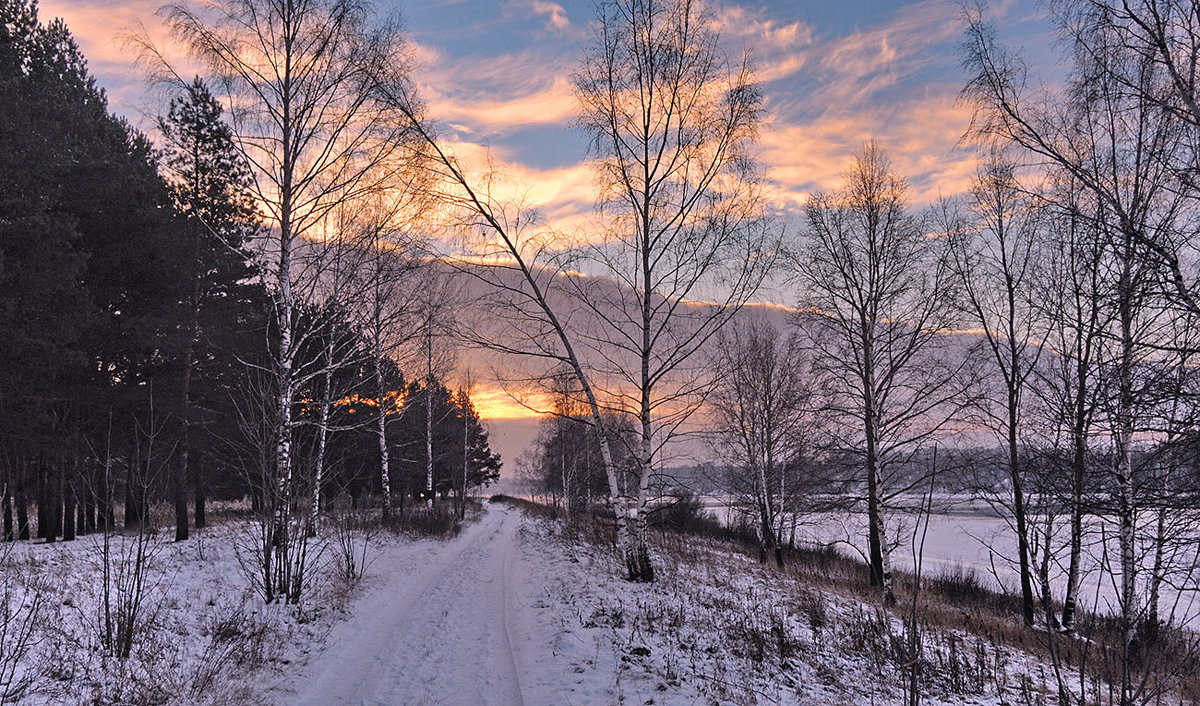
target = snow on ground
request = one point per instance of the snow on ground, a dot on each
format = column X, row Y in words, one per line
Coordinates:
column 514, row 610
column 199, row 634
column 716, row 627
column 986, row 545
column 971, row 536
column 511, row 612
column 460, row 622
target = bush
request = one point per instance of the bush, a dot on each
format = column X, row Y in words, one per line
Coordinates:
column 21, row 610
column 961, row 584
column 238, row 636
column 437, row 521
column 681, row 511
column 815, row 608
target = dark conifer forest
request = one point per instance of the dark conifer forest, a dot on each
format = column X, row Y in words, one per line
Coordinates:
column 135, row 327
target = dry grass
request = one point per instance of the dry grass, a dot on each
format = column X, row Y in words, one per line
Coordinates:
column 954, row 603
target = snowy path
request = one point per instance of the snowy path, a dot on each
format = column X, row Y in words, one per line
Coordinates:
column 437, row 631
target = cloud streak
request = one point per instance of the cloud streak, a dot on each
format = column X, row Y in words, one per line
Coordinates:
column 500, row 86
column 895, row 82
column 496, row 95
column 554, row 14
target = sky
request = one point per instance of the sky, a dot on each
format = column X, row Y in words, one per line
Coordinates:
column 496, row 75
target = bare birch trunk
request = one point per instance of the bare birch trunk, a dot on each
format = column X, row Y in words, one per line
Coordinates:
column 1079, row 458
column 385, row 480
column 429, row 414
column 1018, row 498
column 637, row 556
column 880, row 558
column 277, row 543
column 462, row 494
column 885, row 552
column 1127, row 503
column 314, row 511
column 562, row 462
column 484, row 209
column 1156, row 572
column 1047, row 597
column 1074, row 564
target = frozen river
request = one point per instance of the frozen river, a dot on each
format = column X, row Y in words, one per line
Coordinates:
column 973, row 537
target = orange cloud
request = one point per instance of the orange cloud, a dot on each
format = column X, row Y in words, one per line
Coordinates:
column 857, row 87
column 777, row 48
column 825, row 97
column 98, row 27
column 549, row 104
column 920, row 135
column 495, row 404
column 496, row 95
column 562, row 196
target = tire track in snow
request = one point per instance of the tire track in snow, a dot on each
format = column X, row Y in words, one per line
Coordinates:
column 512, row 658
column 436, row 636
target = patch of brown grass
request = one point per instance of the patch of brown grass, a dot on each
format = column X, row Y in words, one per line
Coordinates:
column 955, row 601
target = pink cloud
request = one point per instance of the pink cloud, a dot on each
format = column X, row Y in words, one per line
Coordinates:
column 856, row 88
column 550, row 104
column 554, row 13
column 497, row 94
column 99, row 27
column 920, row 134
column 779, row 49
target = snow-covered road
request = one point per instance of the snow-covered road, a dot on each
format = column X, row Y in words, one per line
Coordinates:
column 435, row 627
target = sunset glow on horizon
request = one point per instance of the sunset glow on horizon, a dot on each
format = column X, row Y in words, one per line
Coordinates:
column 495, row 404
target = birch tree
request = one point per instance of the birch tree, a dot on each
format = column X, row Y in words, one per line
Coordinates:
column 1173, row 413
column 299, row 77
column 1110, row 133
column 519, row 268
column 338, row 347
column 764, row 408
column 387, row 309
column 433, row 308
column 698, row 210
column 995, row 258
column 881, row 296
column 1071, row 296
column 1159, row 38
column 671, row 116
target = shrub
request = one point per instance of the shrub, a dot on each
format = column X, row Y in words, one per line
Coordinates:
column 437, row 521
column 684, row 511
column 238, row 636
column 961, row 584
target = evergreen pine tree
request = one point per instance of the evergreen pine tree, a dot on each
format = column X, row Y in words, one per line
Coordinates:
column 209, row 183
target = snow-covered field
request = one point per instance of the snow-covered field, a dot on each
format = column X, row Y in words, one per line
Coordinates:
column 514, row 610
column 716, row 627
column 199, row 635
